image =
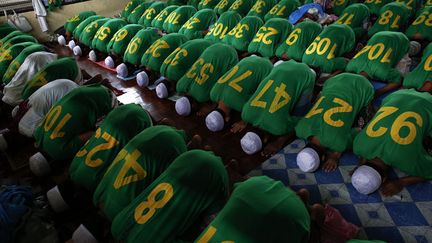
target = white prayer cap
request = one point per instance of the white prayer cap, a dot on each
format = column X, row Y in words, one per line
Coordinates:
column 251, row 143
column 142, row 79
column 122, row 70
column 61, row 40
column 308, row 160
column 215, row 121
column 183, row 106
column 366, row 179
column 92, row 56
column 83, row 235
column 72, row 44
column 109, row 62
column 39, row 165
column 3, row 143
column 278, row 63
column 161, row 91
column 415, row 48
column 56, row 200
column 77, row 51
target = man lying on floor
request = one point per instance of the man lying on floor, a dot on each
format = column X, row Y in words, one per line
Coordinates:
column 421, row 77
column 395, row 138
column 69, row 124
column 329, row 124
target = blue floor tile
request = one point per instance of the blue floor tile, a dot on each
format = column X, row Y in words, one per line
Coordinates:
column 405, row 214
column 323, row 177
column 357, row 197
column 421, row 192
column 388, row 234
column 280, row 175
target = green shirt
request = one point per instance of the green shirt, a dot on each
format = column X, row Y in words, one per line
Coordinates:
column 151, row 12
column 139, row 44
column 413, row 6
column 195, row 184
column 261, row 7
column 331, row 118
column 339, row 6
column 242, row 6
column 177, row 18
column 6, row 29
column 393, row 17
column 87, row 35
column 224, row 24
column 283, row 9
column 105, row 33
column 270, row 106
column 73, row 22
column 130, row 6
column 193, row 3
column 223, row 6
column 74, row 114
column 158, row 21
column 137, row 165
column 422, row 73
column 397, row 131
column 180, row 60
column 237, row 85
column 270, row 36
column 375, row 5
column 242, row 34
column 214, row 62
column 19, row 60
column 10, row 35
column 327, row 50
column 122, row 38
column 355, row 16
column 16, row 40
column 63, row 68
column 8, row 55
column 80, row 28
column 135, row 16
column 260, row 209
column 422, row 25
column 299, row 40
column 118, row 128
column 194, row 28
column 155, row 55
column 207, row 4
column 379, row 58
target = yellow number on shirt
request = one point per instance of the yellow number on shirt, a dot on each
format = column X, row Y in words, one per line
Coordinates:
column 375, row 51
column 277, row 10
column 161, row 15
column 264, row 33
column 327, row 116
column 152, row 204
column 428, row 3
column 173, row 18
column 149, row 13
column 153, row 49
column 221, row 4
column 190, row 23
column 238, row 30
column 346, row 18
column 235, row 82
column 398, row 124
column 206, row 69
column 6, row 56
column 130, row 162
column 103, row 33
column 52, row 118
column 373, row 1
column 136, row 9
column 120, row 35
column 425, row 18
column 173, row 58
column 339, row 2
column 73, row 19
column 281, row 99
column 208, row 235
column 128, row 6
column 385, row 19
column 237, row 4
column 257, row 7
column 218, row 31
column 428, row 64
column 110, row 142
column 133, row 45
column 89, row 28
column 13, row 67
column 321, row 46
column 293, row 37
column 408, row 4
column 39, row 80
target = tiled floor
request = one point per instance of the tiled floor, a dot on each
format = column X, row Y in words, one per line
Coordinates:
column 406, row 217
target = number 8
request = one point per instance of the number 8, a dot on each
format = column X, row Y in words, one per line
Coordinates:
column 152, row 204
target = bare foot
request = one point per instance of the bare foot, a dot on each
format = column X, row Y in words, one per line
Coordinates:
column 304, row 195
column 238, row 126
column 195, row 142
column 330, row 164
column 390, row 188
column 317, row 213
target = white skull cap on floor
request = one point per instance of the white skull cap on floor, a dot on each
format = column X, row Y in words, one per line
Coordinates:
column 83, row 235
column 251, row 143
column 308, row 160
column 61, row 40
column 72, row 44
column 109, row 62
column 77, row 51
column 366, row 179
column 92, row 56
column 56, row 200
column 215, row 121
column 183, row 106
column 122, row 70
column 142, row 79
column 162, row 91
column 39, row 165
